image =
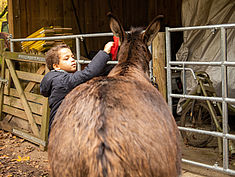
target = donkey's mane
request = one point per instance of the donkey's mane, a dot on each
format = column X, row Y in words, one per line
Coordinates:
column 135, row 32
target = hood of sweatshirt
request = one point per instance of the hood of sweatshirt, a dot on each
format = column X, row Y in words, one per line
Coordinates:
column 46, row 83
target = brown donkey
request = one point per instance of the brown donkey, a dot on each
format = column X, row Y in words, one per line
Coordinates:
column 119, row 125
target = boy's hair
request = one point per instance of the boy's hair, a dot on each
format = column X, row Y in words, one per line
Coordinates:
column 52, row 56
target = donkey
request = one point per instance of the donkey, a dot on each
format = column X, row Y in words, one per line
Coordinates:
column 118, row 125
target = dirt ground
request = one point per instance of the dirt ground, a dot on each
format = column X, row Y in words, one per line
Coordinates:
column 19, row 157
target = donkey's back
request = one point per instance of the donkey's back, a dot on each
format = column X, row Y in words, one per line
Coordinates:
column 115, row 127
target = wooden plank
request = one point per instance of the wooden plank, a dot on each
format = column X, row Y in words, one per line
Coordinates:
column 45, row 122
column 19, row 113
column 15, row 122
column 25, row 57
column 23, row 19
column 31, row 85
column 3, row 77
column 8, row 77
column 10, row 17
column 17, row 18
column 29, row 96
column 44, row 12
column 159, row 62
column 29, row 76
column 67, row 10
column 23, row 98
column 15, row 102
column 29, row 137
column 45, row 118
column 4, row 124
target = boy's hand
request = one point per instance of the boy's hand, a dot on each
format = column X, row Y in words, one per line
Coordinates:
column 107, row 47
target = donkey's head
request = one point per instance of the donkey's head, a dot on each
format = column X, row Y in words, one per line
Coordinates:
column 134, row 44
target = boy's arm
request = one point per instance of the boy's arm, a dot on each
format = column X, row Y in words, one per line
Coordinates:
column 94, row 68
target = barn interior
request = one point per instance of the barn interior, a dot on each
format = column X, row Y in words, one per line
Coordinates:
column 86, row 17
column 25, row 17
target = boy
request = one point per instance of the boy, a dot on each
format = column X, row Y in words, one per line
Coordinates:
column 63, row 75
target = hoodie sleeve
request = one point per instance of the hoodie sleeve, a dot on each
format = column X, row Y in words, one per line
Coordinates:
column 94, row 68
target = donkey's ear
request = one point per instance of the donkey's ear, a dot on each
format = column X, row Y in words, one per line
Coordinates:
column 152, row 30
column 116, row 27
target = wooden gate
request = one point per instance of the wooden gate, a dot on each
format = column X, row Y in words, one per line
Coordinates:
column 22, row 112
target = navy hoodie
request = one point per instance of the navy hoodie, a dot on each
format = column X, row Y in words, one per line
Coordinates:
column 57, row 84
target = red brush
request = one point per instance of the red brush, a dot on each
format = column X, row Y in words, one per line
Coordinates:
column 114, row 48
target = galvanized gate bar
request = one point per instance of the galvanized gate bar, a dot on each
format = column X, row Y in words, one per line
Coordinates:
column 212, row 133
column 168, row 73
column 223, row 41
column 219, row 99
column 211, row 63
column 214, row 27
column 80, row 36
column 224, row 99
column 79, row 67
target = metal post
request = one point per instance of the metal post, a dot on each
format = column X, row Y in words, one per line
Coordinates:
column 168, row 59
column 11, row 43
column 151, row 64
column 78, row 53
column 184, row 81
column 223, row 41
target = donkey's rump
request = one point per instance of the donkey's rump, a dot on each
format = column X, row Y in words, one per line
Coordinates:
column 117, row 125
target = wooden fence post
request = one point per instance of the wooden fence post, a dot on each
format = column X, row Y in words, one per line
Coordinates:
column 45, row 119
column 159, row 53
column 2, row 43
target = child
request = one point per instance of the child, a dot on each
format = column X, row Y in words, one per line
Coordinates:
column 63, row 75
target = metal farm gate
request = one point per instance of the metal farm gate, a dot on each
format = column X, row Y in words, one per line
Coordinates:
column 224, row 100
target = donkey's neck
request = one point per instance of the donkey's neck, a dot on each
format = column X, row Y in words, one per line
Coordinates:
column 129, row 69
column 133, row 56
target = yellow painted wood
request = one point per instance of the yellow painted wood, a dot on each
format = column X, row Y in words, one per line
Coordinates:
column 23, row 98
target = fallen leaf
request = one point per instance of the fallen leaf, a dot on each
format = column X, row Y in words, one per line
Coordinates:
column 3, row 157
column 26, row 158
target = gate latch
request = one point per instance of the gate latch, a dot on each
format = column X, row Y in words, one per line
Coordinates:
column 3, row 82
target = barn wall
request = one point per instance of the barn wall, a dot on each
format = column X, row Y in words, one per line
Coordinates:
column 29, row 16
